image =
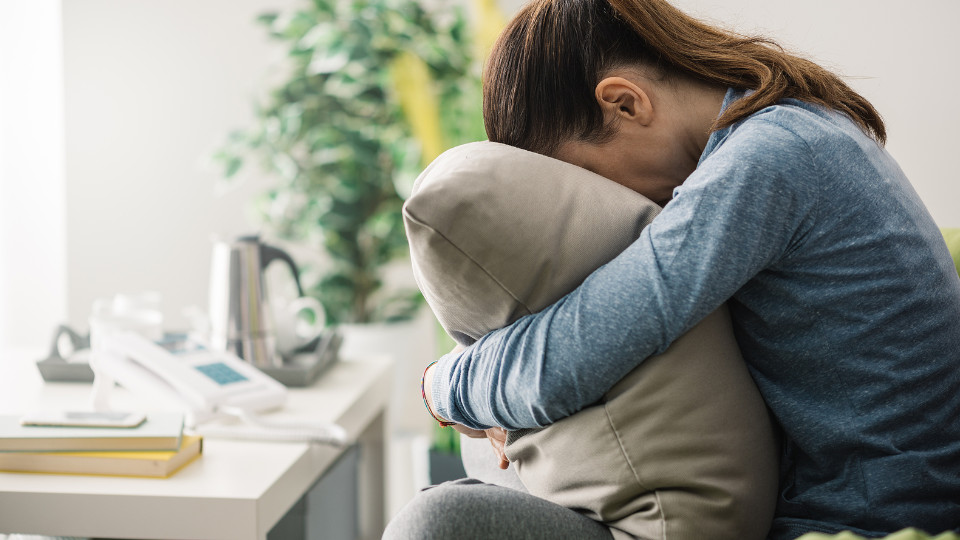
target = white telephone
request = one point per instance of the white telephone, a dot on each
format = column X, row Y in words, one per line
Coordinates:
column 209, row 384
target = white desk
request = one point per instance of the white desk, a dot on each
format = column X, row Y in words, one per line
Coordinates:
column 237, row 490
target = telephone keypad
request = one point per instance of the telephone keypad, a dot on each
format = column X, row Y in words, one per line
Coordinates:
column 221, row 373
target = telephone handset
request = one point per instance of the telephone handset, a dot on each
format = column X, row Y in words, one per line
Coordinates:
column 210, row 384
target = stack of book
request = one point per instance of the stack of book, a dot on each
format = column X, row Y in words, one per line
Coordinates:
column 156, row 448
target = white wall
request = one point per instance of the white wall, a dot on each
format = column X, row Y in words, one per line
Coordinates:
column 32, row 222
column 152, row 89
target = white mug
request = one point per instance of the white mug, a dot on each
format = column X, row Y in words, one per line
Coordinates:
column 292, row 328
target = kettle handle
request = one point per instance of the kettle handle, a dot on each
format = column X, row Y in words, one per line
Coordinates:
column 269, row 253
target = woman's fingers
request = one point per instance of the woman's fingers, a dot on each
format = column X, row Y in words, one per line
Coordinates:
column 498, row 439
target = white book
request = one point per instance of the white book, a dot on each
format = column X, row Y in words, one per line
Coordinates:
column 160, row 431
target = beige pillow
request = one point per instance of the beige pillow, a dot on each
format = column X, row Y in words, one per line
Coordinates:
column 682, row 447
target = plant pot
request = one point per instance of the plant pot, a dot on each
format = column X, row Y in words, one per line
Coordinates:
column 412, row 345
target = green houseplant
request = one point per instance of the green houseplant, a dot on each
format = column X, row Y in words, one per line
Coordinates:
column 376, row 89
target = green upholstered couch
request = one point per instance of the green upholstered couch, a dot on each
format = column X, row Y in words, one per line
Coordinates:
column 952, row 236
column 905, row 534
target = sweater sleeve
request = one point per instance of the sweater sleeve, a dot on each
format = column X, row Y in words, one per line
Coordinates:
column 747, row 205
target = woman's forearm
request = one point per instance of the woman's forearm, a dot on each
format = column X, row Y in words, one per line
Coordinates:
column 547, row 366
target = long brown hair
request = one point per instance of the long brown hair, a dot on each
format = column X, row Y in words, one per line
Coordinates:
column 540, row 77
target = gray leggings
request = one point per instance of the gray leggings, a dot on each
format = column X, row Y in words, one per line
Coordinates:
column 468, row 508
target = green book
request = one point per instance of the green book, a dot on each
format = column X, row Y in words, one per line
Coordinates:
column 160, row 431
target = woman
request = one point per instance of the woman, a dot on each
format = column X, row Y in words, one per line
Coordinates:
column 778, row 196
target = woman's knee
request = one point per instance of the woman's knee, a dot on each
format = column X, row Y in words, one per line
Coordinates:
column 466, row 509
column 448, row 510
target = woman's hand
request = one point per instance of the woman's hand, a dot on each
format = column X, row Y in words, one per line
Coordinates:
column 497, row 437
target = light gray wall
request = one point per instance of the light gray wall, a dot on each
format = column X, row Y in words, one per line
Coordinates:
column 152, row 88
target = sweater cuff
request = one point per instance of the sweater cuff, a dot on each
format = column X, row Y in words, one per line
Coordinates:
column 440, row 387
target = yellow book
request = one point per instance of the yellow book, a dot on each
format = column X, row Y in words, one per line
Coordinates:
column 154, row 464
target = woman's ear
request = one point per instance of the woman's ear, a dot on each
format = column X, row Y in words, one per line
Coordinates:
column 621, row 99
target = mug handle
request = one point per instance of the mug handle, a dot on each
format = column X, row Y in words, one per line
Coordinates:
column 304, row 330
